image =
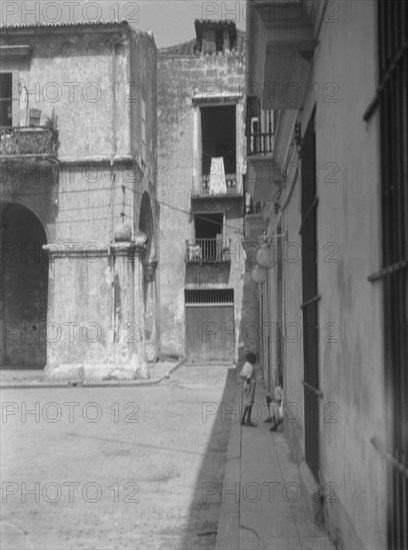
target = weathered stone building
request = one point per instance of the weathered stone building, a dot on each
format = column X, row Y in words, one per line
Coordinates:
column 332, row 183
column 205, row 289
column 78, row 184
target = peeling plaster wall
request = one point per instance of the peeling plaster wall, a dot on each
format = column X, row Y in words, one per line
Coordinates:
column 71, row 73
column 143, row 84
column 82, row 207
column 179, row 78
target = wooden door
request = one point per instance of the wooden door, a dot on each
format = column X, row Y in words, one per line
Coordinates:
column 209, row 333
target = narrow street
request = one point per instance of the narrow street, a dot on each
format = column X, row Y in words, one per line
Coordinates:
column 125, row 467
column 204, row 275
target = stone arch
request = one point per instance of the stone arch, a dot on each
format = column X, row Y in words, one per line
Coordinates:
column 24, row 287
column 146, row 225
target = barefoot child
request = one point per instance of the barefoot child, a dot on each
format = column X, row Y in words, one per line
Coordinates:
column 248, row 375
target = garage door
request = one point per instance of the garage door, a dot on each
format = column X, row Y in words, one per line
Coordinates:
column 209, row 325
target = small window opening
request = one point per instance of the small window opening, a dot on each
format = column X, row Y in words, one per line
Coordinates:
column 6, row 99
column 209, row 235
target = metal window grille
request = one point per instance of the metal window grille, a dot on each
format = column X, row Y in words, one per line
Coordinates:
column 219, row 40
column 208, row 250
column 6, row 99
column 392, row 99
column 210, row 297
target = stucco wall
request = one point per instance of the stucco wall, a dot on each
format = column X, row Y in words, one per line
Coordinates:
column 143, row 84
column 92, row 193
column 71, row 73
column 351, row 369
column 179, row 78
column 342, row 83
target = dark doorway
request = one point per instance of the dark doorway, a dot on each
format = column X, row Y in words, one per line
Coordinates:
column 209, row 235
column 6, row 99
column 208, row 226
column 24, row 289
column 218, row 128
column 310, row 298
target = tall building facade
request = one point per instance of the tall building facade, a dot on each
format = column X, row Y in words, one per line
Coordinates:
column 206, row 292
column 78, row 185
column 327, row 157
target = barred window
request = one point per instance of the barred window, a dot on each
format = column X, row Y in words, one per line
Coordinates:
column 211, row 296
column 392, row 101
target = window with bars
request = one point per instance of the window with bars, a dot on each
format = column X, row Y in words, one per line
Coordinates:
column 209, row 297
column 260, row 128
column 219, row 40
column 392, row 101
column 6, row 99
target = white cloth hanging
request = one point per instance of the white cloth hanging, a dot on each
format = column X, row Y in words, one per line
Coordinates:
column 217, row 176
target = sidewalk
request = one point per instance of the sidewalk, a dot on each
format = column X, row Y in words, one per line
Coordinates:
column 32, row 378
column 262, row 503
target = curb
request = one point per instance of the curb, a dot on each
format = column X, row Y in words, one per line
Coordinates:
column 97, row 384
column 229, row 515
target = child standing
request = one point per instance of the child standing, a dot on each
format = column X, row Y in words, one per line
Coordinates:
column 249, row 377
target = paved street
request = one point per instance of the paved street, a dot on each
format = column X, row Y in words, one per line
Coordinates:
column 115, row 467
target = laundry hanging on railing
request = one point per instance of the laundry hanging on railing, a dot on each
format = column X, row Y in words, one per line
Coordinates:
column 217, row 182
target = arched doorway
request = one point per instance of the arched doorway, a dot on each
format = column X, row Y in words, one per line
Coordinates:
column 146, row 225
column 23, row 288
column 149, row 289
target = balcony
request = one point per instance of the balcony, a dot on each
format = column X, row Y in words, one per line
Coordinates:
column 263, row 174
column 26, row 142
column 260, row 128
column 207, row 251
column 228, row 186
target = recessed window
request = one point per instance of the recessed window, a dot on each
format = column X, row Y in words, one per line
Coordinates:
column 208, row 229
column 6, row 99
column 218, row 137
column 211, row 296
column 208, row 226
column 219, row 40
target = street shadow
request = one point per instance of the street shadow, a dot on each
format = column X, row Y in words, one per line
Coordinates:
column 202, row 524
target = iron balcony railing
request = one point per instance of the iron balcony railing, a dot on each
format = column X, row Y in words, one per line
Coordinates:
column 208, row 250
column 230, row 184
column 28, row 141
column 260, row 128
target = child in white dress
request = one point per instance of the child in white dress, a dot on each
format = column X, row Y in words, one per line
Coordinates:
column 249, row 377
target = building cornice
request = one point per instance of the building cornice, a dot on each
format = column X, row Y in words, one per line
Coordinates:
column 108, row 27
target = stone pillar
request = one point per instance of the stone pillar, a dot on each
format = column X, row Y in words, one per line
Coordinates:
column 128, row 319
column 96, row 312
